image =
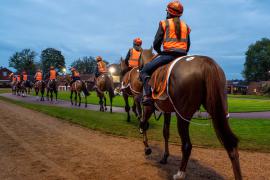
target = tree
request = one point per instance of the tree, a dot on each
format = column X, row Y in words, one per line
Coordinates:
column 24, row 60
column 52, row 57
column 257, row 65
column 86, row 65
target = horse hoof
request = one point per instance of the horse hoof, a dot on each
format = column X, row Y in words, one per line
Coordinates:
column 179, row 176
column 85, row 106
column 163, row 161
column 148, row 151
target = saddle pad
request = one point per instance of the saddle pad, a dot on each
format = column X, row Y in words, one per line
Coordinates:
column 158, row 82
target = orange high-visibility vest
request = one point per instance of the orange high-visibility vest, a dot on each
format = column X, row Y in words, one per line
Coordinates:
column 39, row 76
column 170, row 41
column 52, row 74
column 76, row 74
column 102, row 68
column 14, row 78
column 25, row 77
column 19, row 78
column 134, row 58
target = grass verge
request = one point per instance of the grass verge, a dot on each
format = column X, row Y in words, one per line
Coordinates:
column 253, row 133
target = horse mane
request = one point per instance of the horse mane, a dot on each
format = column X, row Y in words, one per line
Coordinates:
column 147, row 56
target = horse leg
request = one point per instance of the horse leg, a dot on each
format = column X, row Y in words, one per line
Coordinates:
column 144, row 125
column 183, row 130
column 138, row 105
column 111, row 101
column 71, row 96
column 134, row 107
column 166, row 135
column 101, row 103
column 80, row 99
column 85, row 97
column 127, row 107
column 47, row 94
column 56, row 94
column 51, row 91
column 75, row 98
column 105, row 103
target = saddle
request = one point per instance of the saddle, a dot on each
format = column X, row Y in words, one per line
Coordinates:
column 126, row 78
column 159, row 78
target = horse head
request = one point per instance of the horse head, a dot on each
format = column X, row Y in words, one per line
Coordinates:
column 147, row 56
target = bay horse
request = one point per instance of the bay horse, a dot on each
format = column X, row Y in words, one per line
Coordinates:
column 104, row 83
column 193, row 81
column 39, row 86
column 77, row 87
column 52, row 87
column 131, row 86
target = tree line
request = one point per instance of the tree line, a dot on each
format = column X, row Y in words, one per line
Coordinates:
column 256, row 66
column 26, row 60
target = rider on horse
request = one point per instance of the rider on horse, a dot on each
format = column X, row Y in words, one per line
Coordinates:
column 52, row 74
column 101, row 67
column 25, row 78
column 75, row 75
column 173, row 33
column 133, row 56
column 38, row 75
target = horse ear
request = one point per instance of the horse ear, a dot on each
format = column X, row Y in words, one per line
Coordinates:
column 151, row 48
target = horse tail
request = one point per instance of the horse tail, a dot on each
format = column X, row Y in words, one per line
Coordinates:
column 216, row 104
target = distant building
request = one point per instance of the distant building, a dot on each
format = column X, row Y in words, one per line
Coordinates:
column 4, row 77
column 236, row 87
column 255, row 88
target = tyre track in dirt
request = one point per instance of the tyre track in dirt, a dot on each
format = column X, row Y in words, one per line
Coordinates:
column 37, row 146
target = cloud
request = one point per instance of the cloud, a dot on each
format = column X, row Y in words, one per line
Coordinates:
column 220, row 29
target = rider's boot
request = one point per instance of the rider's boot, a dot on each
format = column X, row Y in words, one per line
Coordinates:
column 147, row 93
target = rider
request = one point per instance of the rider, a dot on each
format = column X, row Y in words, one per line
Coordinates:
column 133, row 56
column 173, row 33
column 18, row 77
column 52, row 73
column 101, row 66
column 75, row 75
column 25, row 78
column 38, row 75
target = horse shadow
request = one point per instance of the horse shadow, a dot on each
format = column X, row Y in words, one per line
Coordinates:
column 195, row 170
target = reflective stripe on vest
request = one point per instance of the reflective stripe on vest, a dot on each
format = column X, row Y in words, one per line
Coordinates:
column 52, row 74
column 102, row 67
column 134, row 58
column 38, row 76
column 25, row 77
column 76, row 74
column 170, row 42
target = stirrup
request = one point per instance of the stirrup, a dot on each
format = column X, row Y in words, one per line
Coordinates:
column 147, row 101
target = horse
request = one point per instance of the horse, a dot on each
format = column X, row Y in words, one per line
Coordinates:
column 77, row 87
column 192, row 81
column 39, row 86
column 52, row 87
column 131, row 86
column 104, row 83
column 13, row 84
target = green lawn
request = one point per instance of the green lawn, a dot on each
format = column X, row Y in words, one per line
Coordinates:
column 237, row 103
column 253, row 134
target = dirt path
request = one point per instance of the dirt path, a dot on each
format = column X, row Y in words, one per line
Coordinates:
column 36, row 146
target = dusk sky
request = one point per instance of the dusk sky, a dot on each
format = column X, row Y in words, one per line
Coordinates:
column 221, row 29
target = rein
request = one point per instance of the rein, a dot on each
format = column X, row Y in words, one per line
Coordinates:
column 159, row 116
